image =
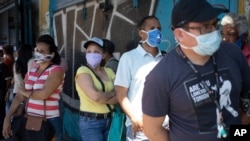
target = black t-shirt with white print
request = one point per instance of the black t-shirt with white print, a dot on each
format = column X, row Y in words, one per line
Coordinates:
column 173, row 89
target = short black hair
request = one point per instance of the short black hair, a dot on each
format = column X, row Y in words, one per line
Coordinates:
column 141, row 24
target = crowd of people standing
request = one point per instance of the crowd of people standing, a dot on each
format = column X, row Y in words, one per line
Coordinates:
column 198, row 89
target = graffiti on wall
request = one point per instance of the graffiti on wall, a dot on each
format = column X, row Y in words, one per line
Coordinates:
column 76, row 24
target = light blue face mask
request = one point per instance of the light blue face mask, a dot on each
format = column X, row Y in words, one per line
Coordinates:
column 207, row 44
column 154, row 37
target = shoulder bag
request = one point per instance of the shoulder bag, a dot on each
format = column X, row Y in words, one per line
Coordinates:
column 117, row 131
column 26, row 127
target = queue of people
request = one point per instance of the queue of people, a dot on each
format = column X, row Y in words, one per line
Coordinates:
column 198, row 89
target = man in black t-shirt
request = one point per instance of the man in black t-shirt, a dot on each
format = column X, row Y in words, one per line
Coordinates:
column 199, row 84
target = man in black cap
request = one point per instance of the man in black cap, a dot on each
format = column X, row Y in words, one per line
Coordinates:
column 199, row 84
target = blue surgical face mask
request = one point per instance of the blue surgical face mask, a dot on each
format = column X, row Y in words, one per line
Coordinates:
column 207, row 44
column 154, row 37
column 239, row 42
column 94, row 59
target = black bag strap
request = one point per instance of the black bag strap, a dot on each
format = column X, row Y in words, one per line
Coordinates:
column 103, row 87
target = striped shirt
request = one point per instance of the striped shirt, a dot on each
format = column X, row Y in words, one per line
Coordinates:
column 34, row 81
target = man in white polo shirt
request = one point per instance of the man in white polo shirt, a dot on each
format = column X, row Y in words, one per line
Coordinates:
column 133, row 67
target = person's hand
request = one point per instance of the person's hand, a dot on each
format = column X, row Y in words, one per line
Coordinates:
column 137, row 125
column 6, row 128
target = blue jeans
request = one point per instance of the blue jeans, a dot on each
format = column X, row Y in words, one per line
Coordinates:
column 92, row 129
column 56, row 124
column 139, row 136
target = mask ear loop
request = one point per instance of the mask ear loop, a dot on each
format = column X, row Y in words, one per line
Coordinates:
column 145, row 41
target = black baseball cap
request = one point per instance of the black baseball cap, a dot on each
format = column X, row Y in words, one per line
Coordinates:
column 186, row 11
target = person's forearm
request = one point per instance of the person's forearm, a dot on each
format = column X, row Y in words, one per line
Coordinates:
column 106, row 97
column 24, row 93
column 14, row 105
column 112, row 100
column 121, row 94
column 160, row 134
column 126, row 106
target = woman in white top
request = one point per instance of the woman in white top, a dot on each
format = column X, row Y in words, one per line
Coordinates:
column 24, row 54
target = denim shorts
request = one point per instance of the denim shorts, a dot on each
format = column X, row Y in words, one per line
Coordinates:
column 92, row 129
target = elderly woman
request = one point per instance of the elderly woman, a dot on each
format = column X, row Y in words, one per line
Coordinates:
column 94, row 85
column 235, row 30
column 43, row 85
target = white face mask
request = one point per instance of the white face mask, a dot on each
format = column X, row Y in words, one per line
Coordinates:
column 39, row 57
column 207, row 44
